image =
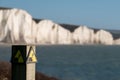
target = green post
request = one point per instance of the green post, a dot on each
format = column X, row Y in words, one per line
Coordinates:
column 23, row 62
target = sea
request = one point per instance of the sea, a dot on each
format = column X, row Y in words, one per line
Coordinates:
column 75, row 62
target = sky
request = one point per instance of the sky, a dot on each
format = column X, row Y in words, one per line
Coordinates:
column 103, row 14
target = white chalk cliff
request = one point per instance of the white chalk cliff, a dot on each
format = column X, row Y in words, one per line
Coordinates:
column 83, row 35
column 18, row 27
column 117, row 41
column 52, row 33
column 103, row 37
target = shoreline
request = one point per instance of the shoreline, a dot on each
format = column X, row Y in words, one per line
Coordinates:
column 5, row 72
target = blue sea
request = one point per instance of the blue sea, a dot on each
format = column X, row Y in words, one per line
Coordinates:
column 75, row 62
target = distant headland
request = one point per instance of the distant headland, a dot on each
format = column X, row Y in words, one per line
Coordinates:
column 19, row 27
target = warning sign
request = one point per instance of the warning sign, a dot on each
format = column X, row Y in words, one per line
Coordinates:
column 18, row 54
column 19, row 57
column 31, row 55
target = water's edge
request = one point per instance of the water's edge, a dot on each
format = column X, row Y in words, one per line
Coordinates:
column 76, row 62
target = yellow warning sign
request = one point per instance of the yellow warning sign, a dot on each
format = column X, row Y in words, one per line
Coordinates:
column 31, row 56
column 19, row 57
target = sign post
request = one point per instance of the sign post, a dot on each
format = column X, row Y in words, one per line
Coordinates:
column 23, row 62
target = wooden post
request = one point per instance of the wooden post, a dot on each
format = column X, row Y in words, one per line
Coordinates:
column 23, row 62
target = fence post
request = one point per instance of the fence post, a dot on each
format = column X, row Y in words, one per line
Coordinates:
column 23, row 62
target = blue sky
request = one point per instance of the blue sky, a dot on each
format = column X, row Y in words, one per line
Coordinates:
column 93, row 13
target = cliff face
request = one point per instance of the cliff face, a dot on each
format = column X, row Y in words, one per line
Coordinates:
column 117, row 42
column 52, row 33
column 103, row 37
column 18, row 27
column 83, row 35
